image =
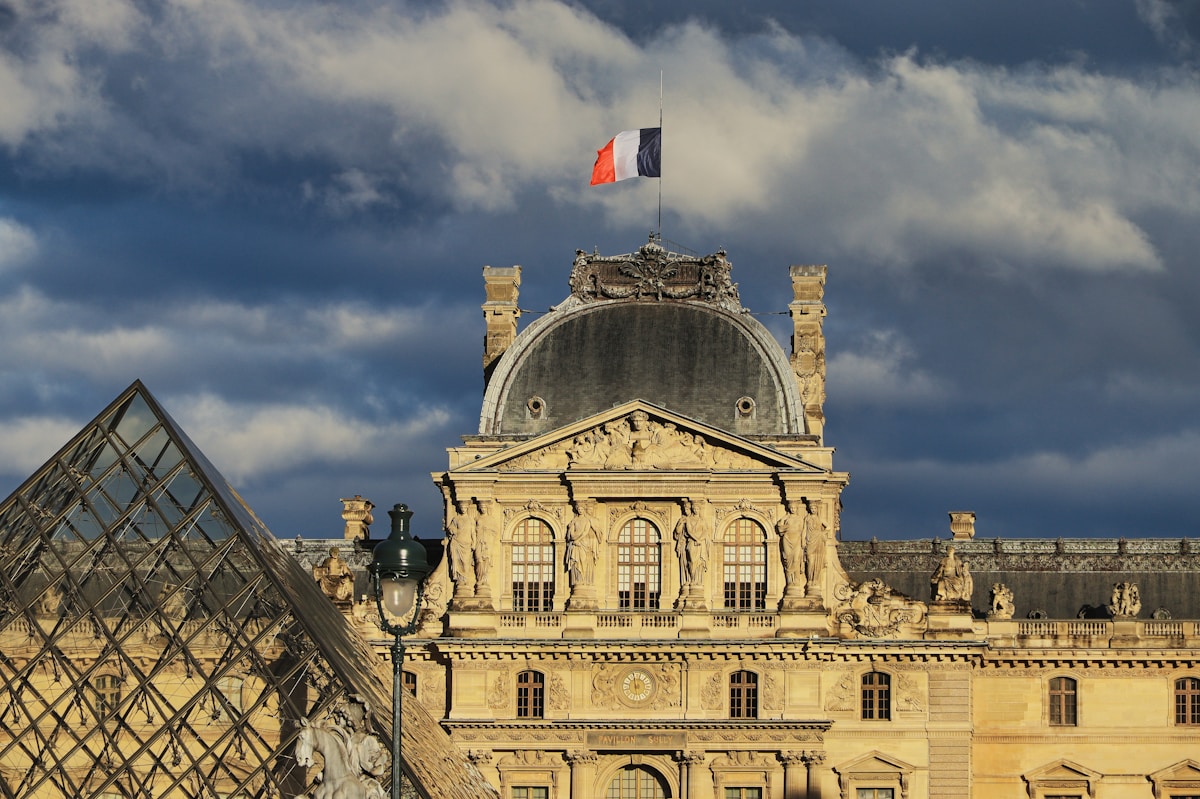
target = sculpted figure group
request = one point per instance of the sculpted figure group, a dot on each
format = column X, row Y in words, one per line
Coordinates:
column 803, row 544
column 952, row 582
column 470, row 533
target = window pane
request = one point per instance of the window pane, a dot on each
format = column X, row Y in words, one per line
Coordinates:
column 532, row 567
column 745, row 566
column 638, row 572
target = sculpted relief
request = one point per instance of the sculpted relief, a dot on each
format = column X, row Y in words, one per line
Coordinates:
column 634, row 442
column 873, row 609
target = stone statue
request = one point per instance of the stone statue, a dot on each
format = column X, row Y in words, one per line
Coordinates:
column 690, row 547
column 584, row 536
column 335, row 578
column 1002, row 602
column 353, row 760
column 791, row 546
column 49, row 603
column 1126, row 601
column 815, row 540
column 952, row 582
column 460, row 541
column 487, row 533
column 174, row 606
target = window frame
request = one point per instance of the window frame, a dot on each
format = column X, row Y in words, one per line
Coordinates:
column 743, row 694
column 1062, row 697
column 629, row 549
column 875, row 696
column 531, row 694
column 744, row 565
column 1185, row 698
column 532, row 566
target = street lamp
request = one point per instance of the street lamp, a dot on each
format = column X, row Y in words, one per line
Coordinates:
column 398, row 572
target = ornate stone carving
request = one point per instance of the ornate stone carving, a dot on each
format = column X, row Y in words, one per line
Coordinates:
column 843, row 696
column 772, row 690
column 1126, row 601
column 691, row 548
column 356, row 512
column 335, row 578
column 743, row 506
column 610, row 689
column 533, row 507
column 653, row 273
column 634, row 442
column 908, row 692
column 952, row 581
column 487, row 535
column 712, row 694
column 498, row 695
column 353, row 759
column 639, row 508
column 557, row 697
column 1002, row 602
column 874, row 610
column 585, row 535
column 460, row 541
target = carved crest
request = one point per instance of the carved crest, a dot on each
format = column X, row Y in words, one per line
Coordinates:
column 655, row 273
column 872, row 609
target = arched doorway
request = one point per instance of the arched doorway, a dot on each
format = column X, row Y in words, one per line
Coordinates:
column 637, row 782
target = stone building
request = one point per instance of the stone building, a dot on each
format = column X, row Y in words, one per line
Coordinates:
column 642, row 592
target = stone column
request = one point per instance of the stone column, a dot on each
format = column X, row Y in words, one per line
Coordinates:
column 583, row 772
column 813, row 758
column 689, row 763
column 795, row 780
column 807, row 310
column 502, row 286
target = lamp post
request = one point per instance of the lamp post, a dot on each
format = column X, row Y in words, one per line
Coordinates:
column 398, row 571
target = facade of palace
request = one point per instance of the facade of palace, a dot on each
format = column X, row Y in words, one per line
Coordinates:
column 643, row 593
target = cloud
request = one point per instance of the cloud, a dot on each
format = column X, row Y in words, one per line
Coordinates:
column 17, row 244
column 882, row 373
column 26, row 442
column 900, row 161
column 251, row 441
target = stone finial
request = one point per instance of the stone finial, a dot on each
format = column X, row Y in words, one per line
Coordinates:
column 962, row 524
column 356, row 512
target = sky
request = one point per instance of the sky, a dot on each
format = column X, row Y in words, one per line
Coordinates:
column 275, row 214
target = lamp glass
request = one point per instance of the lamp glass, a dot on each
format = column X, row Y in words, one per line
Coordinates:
column 398, row 594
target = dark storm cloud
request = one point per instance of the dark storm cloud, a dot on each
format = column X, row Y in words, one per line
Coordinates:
column 276, row 215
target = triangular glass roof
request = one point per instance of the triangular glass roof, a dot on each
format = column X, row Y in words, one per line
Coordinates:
column 155, row 639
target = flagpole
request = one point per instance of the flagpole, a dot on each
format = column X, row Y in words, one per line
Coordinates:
column 660, row 180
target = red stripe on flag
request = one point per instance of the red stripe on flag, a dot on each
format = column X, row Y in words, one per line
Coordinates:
column 605, row 171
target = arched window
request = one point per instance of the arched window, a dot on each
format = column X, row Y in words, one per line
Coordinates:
column 743, row 695
column 638, row 574
column 531, row 693
column 1062, row 702
column 1187, row 701
column 636, row 782
column 745, row 566
column 876, row 696
column 532, row 567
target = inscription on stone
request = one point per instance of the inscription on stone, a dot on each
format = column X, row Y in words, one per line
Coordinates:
column 636, row 740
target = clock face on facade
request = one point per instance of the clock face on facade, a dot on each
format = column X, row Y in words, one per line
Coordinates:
column 637, row 686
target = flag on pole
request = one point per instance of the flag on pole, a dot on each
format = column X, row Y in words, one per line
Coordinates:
column 630, row 154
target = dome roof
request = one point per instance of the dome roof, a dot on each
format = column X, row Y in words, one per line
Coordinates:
column 653, row 325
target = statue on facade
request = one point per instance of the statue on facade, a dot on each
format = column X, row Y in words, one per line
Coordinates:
column 335, row 578
column 460, row 541
column 1002, row 602
column 816, row 539
column 690, row 548
column 353, row 759
column 487, row 533
column 952, row 581
column 584, row 536
column 1126, row 601
column 791, row 549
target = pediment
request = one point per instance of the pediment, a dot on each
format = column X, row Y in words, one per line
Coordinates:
column 1184, row 775
column 1062, row 774
column 874, row 763
column 638, row 436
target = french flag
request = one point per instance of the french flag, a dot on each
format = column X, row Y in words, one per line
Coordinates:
column 630, row 154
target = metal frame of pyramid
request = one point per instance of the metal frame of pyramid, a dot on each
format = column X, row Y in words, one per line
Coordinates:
column 155, row 639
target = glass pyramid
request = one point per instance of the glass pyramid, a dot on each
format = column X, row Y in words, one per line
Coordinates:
column 155, row 639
